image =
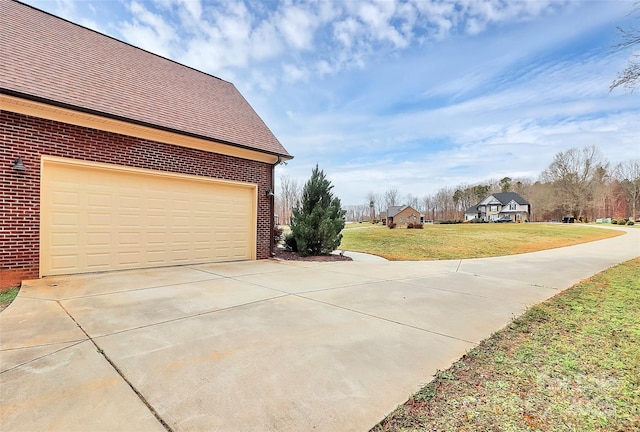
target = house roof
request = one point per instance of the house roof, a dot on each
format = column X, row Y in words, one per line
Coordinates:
column 506, row 197
column 394, row 210
column 51, row 60
column 503, row 198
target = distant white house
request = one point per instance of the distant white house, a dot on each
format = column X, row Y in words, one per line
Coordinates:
column 500, row 206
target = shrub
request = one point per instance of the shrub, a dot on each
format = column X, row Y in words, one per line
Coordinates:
column 290, row 243
column 418, row 226
column 630, row 223
column 277, row 235
column 392, row 225
column 614, row 222
column 318, row 218
column 410, row 225
column 622, row 221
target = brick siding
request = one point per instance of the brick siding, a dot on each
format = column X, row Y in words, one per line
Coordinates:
column 29, row 138
column 405, row 214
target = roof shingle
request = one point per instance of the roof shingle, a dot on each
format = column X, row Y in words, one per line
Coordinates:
column 506, row 197
column 49, row 59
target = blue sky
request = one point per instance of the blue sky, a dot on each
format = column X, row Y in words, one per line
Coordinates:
column 412, row 94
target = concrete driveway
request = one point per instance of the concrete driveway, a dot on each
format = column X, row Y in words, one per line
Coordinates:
column 261, row 346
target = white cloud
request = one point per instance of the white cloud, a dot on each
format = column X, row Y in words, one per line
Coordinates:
column 222, row 42
column 346, row 31
column 297, row 26
column 484, row 13
column 265, row 43
column 193, row 7
column 294, row 73
column 68, row 9
column 148, row 30
column 376, row 17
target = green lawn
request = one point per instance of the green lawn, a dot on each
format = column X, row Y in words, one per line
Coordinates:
column 7, row 296
column 459, row 241
column 569, row 364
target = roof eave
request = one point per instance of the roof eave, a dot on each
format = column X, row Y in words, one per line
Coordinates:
column 10, row 92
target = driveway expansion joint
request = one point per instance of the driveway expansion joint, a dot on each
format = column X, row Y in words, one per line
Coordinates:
column 489, row 277
column 386, row 319
column 119, row 372
column 72, row 344
column 38, row 298
column 196, row 315
column 125, row 291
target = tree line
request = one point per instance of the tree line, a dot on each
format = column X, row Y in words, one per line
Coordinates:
column 579, row 182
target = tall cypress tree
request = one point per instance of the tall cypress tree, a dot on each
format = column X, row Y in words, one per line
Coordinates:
column 318, row 218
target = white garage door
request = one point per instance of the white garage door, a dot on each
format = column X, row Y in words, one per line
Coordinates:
column 98, row 217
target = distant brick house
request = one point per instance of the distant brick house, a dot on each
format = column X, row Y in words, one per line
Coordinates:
column 500, row 205
column 401, row 215
column 115, row 158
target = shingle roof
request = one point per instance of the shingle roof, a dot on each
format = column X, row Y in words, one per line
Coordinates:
column 506, row 197
column 46, row 58
column 394, row 210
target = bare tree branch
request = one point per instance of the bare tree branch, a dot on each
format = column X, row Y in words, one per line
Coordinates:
column 630, row 75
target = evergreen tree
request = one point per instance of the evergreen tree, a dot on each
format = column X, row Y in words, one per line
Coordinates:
column 318, row 218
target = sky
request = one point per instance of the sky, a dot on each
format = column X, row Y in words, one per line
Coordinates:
column 409, row 94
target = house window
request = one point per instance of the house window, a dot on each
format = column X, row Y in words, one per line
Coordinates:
column 400, row 219
column 494, row 208
column 512, row 206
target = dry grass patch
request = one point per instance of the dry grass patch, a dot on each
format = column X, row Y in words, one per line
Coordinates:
column 569, row 364
column 436, row 242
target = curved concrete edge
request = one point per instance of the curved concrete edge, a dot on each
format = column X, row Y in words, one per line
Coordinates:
column 360, row 256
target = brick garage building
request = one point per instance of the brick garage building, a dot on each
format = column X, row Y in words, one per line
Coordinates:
column 115, row 158
column 402, row 216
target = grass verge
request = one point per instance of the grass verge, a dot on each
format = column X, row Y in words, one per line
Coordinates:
column 6, row 297
column 461, row 241
column 571, row 363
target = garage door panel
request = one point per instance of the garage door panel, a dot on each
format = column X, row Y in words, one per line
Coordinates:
column 97, row 261
column 63, row 198
column 98, row 240
column 126, row 259
column 63, row 218
column 156, row 239
column 97, row 218
column 155, row 221
column 99, row 200
column 64, row 239
column 65, row 262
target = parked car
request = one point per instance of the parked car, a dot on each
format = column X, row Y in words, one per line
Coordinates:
column 503, row 219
